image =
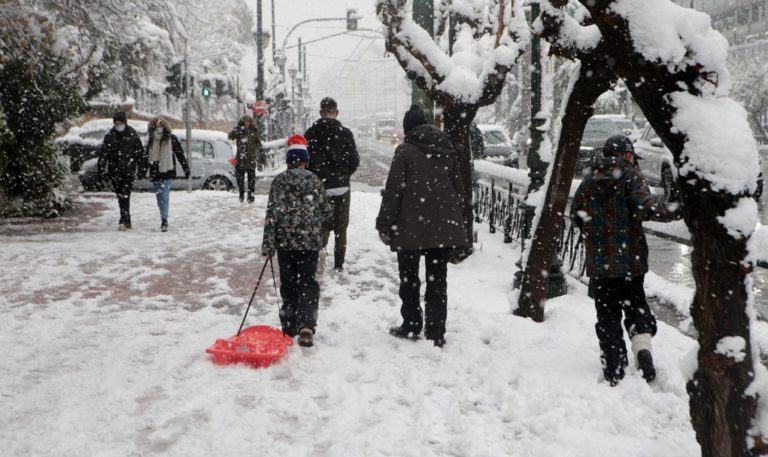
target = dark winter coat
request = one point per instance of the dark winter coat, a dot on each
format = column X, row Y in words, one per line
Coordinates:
column 121, row 154
column 296, row 210
column 249, row 149
column 609, row 208
column 421, row 203
column 332, row 152
column 154, row 168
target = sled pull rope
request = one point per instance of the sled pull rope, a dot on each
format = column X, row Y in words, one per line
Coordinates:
column 274, row 282
column 269, row 260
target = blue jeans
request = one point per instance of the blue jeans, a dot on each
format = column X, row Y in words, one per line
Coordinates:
column 163, row 192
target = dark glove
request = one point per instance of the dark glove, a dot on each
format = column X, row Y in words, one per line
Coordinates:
column 385, row 238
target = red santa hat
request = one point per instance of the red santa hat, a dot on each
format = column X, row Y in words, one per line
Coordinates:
column 296, row 151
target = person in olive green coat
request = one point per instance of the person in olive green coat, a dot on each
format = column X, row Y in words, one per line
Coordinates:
column 421, row 215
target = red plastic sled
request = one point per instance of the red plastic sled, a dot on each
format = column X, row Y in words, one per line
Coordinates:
column 260, row 345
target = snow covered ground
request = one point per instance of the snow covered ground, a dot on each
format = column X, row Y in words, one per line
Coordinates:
column 104, row 337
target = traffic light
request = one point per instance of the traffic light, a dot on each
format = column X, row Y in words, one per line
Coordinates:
column 175, row 80
column 221, row 88
column 206, row 88
column 352, row 20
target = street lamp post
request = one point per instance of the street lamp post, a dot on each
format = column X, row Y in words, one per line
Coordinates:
column 292, row 74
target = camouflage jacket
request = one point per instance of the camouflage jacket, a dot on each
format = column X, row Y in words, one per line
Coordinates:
column 609, row 208
column 296, row 210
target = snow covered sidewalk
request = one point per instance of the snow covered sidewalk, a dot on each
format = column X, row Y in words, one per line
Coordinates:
column 104, row 335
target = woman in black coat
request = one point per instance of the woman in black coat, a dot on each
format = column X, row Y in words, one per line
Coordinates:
column 163, row 150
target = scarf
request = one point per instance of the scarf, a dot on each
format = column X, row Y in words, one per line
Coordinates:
column 160, row 152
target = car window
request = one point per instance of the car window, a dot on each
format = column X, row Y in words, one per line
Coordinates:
column 601, row 129
column 648, row 134
column 494, row 137
column 199, row 149
column 95, row 135
column 625, row 124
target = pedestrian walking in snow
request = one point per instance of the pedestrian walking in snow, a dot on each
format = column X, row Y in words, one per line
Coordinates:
column 609, row 207
column 120, row 156
column 162, row 153
column 296, row 210
column 421, row 215
column 250, row 155
column 333, row 158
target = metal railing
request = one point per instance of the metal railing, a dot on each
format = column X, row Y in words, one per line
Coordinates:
column 498, row 196
column 275, row 151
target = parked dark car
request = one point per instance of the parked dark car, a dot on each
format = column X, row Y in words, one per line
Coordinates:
column 82, row 143
column 212, row 165
column 599, row 128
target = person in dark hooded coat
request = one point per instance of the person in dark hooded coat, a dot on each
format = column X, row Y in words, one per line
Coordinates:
column 333, row 158
column 421, row 215
column 250, row 155
column 120, row 156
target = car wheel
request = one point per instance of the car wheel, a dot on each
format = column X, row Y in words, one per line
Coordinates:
column 671, row 193
column 217, row 183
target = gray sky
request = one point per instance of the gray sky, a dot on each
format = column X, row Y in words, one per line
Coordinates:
column 351, row 68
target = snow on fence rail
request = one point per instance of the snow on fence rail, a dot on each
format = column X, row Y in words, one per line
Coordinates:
column 498, row 201
column 275, row 150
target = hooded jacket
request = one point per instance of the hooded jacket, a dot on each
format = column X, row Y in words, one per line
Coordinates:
column 296, row 210
column 332, row 152
column 421, row 202
column 609, row 207
column 249, row 148
column 121, row 154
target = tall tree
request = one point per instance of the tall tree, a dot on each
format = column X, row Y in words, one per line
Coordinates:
column 34, row 96
column 673, row 64
column 463, row 68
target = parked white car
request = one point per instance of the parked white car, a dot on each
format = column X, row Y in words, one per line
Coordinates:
column 498, row 145
column 657, row 163
column 212, row 165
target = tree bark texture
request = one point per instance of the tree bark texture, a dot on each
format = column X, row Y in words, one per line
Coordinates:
column 457, row 120
column 721, row 412
column 586, row 90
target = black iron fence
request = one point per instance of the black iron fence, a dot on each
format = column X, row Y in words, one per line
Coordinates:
column 499, row 194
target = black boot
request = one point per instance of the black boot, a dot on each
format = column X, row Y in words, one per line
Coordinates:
column 164, row 225
column 405, row 333
column 645, row 364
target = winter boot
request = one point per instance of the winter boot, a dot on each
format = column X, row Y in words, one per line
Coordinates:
column 645, row 364
column 403, row 332
column 164, row 225
column 641, row 347
column 242, row 198
column 251, row 199
column 306, row 337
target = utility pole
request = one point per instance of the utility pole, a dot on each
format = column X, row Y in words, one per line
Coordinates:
column 424, row 16
column 537, row 168
column 260, row 58
column 274, row 38
column 186, row 111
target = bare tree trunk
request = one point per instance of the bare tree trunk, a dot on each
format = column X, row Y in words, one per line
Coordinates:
column 721, row 412
column 589, row 85
column 457, row 119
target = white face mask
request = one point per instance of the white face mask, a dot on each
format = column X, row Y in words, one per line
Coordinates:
column 120, row 127
column 159, row 133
